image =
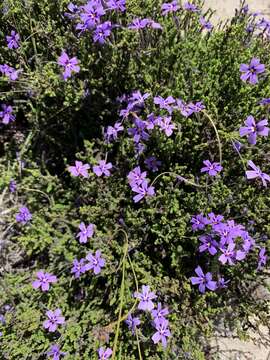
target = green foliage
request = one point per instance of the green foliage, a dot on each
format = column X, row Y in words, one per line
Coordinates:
column 58, row 122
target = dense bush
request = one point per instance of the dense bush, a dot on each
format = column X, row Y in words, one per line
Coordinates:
column 149, row 242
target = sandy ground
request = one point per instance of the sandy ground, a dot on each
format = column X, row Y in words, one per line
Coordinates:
column 224, row 347
column 225, row 8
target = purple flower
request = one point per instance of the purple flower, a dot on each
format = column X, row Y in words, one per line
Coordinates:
column 262, row 259
column 251, row 71
column 170, row 7
column 159, row 312
column 228, row 254
column 44, row 280
column 164, row 103
column 214, row 219
column 145, row 297
column 132, row 323
column 190, row 7
column 24, row 215
column 13, row 40
column 208, row 244
column 74, row 9
column 198, row 222
column 152, row 163
column 138, row 24
column 54, row 319
column 252, row 129
column 206, row 24
column 90, row 15
column 79, row 169
column 167, row 126
column 102, row 168
column 139, row 131
column 211, row 168
column 104, row 354
column 265, row 101
column 12, row 186
column 55, row 353
column 142, row 191
column 96, row 262
column 118, row 5
column 102, row 32
column 70, row 65
column 78, row 268
column 226, row 234
column 136, row 176
column 138, row 98
column 85, row 233
column 112, row 131
column 204, row 281
column 6, row 114
column 154, row 25
column 257, row 173
column 162, row 333
column 222, row 283
column 237, row 146
column 184, row 108
column 10, row 72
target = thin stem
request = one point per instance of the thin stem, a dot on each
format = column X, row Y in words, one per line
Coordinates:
column 138, row 344
column 122, row 294
column 177, row 176
column 216, row 131
column 40, row 192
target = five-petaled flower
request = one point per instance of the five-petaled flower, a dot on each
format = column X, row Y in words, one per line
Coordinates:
column 102, row 168
column 161, row 325
column 212, row 168
column 44, row 280
column 55, row 353
column 104, row 354
column 205, row 24
column 79, row 169
column 96, row 262
column 55, row 318
column 85, row 232
column 13, row 40
column 170, row 7
column 159, row 312
column 132, row 323
column 190, row 7
column 6, row 114
column 143, row 190
column 250, row 72
column 145, row 297
column 24, row 215
column 257, row 173
column 203, row 280
column 70, row 65
column 102, row 32
column 78, row 268
column 252, row 129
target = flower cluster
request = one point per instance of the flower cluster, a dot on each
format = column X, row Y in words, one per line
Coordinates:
column 9, row 72
column 174, row 7
column 158, row 314
column 227, row 240
column 7, row 114
column 140, row 184
column 81, row 169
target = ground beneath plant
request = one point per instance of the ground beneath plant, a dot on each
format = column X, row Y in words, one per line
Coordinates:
column 225, row 8
column 227, row 346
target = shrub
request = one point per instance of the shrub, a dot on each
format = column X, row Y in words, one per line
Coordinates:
column 149, row 242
